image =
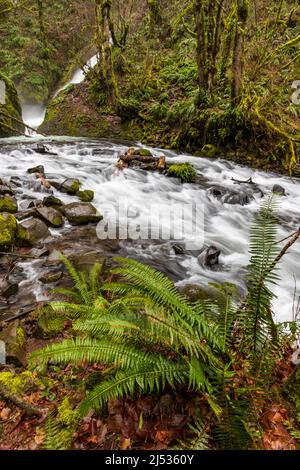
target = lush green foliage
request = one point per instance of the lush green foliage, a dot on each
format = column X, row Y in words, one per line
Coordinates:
column 153, row 338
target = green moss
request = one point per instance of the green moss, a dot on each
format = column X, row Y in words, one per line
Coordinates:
column 143, row 152
column 22, row 235
column 66, row 414
column 18, row 383
column 184, row 171
column 209, row 151
column 8, row 204
column 86, row 195
column 10, row 110
column 8, row 227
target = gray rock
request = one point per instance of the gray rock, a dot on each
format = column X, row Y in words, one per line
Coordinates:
column 51, row 216
column 31, row 231
column 79, row 213
column 51, row 277
column 37, row 169
column 230, row 196
column 6, row 190
column 25, row 214
column 277, row 189
column 8, row 289
column 209, row 257
column 70, row 186
column 52, row 201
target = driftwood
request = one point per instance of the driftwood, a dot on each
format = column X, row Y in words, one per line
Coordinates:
column 249, row 181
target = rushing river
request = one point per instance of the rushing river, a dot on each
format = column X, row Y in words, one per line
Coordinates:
column 226, row 225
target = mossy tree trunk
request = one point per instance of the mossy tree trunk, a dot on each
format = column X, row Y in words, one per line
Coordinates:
column 104, row 47
column 44, row 40
column 154, row 13
column 208, row 16
column 242, row 8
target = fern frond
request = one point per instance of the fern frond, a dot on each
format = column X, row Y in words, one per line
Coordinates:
column 143, row 380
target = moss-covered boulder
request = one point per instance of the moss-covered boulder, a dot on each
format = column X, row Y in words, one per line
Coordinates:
column 8, row 229
column 8, row 204
column 184, row 171
column 10, row 109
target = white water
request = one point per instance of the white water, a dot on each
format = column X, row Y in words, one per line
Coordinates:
column 226, row 226
column 79, row 74
column 33, row 116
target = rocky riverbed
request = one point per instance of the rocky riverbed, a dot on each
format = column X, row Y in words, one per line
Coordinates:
column 54, row 192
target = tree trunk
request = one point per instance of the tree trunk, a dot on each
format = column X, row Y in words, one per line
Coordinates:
column 42, row 28
column 201, row 54
column 104, row 47
column 238, row 51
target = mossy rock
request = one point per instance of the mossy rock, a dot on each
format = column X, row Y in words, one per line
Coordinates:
column 86, row 196
column 71, row 186
column 8, row 204
column 184, row 171
column 31, row 231
column 8, row 229
column 208, row 151
column 10, row 111
column 143, row 152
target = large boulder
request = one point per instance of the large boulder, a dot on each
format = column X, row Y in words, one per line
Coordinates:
column 51, row 216
column 8, row 204
column 79, row 213
column 8, row 229
column 31, row 231
column 10, row 109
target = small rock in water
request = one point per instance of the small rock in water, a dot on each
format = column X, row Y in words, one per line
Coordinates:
column 178, row 249
column 7, row 289
column 51, row 277
column 6, row 190
column 16, row 181
column 22, row 215
column 52, row 201
column 42, row 150
column 70, row 186
column 51, row 216
column 277, row 189
column 209, row 257
column 37, row 169
column 39, row 252
column 79, row 213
